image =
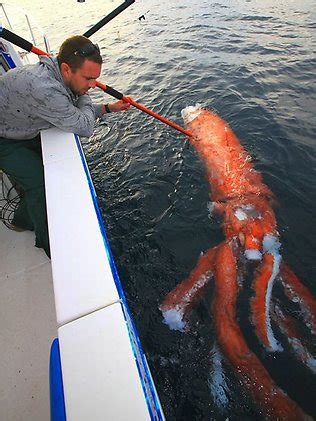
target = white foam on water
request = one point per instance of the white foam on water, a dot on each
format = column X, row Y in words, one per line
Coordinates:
column 210, row 208
column 240, row 280
column 174, row 319
column 311, row 363
column 191, row 112
column 298, row 349
column 217, row 381
column 302, row 354
column 305, row 310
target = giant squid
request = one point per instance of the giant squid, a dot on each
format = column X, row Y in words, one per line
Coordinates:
column 239, row 194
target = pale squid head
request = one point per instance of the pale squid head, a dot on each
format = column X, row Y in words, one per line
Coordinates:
column 191, row 112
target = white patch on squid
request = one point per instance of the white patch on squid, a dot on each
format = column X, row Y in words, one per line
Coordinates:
column 217, row 381
column 249, row 207
column 240, row 214
column 247, row 211
column 191, row 112
column 271, row 244
column 253, row 254
column 174, row 317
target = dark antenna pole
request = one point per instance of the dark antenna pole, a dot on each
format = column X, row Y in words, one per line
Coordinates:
column 107, row 18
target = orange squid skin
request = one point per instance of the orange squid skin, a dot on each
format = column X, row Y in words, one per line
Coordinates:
column 273, row 402
column 229, row 168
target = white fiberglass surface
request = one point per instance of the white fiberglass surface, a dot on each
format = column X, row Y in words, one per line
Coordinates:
column 27, row 327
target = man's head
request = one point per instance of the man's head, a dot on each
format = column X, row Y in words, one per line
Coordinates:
column 80, row 63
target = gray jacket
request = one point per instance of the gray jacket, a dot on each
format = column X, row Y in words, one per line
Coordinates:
column 35, row 97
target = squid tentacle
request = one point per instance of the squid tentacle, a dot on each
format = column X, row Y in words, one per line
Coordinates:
column 274, row 403
column 178, row 303
column 260, row 303
column 287, row 326
column 298, row 293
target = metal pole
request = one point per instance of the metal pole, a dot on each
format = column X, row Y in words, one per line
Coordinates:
column 6, row 16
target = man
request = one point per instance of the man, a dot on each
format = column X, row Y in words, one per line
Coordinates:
column 50, row 93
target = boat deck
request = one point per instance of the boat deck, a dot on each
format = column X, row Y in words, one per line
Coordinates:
column 27, row 327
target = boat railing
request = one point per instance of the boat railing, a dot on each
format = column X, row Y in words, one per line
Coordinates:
column 19, row 21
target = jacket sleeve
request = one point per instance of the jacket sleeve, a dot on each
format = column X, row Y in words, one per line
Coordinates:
column 98, row 110
column 56, row 107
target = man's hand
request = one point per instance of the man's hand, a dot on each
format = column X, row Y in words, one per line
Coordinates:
column 117, row 106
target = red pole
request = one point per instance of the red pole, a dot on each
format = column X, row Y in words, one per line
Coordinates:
column 141, row 107
column 157, row 116
column 39, row 52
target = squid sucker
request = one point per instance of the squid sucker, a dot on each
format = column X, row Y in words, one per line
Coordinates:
column 238, row 192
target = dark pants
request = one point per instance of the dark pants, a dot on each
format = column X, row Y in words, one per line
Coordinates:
column 22, row 161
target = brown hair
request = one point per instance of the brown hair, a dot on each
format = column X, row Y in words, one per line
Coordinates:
column 69, row 52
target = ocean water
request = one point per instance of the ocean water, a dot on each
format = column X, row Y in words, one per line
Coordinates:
column 254, row 63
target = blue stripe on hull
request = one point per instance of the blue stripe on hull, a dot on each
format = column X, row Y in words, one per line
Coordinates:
column 57, row 401
column 153, row 404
